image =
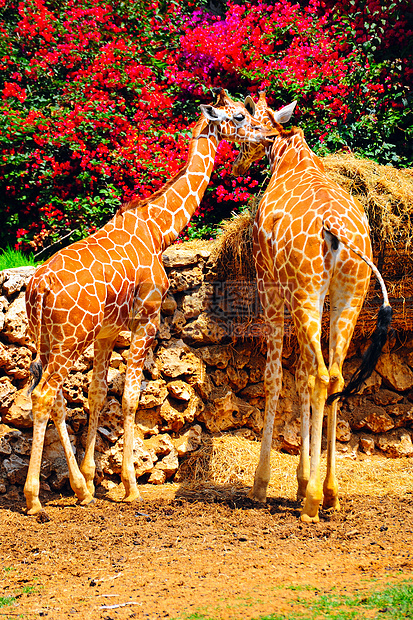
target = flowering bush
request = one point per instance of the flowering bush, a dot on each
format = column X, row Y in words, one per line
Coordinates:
column 98, row 99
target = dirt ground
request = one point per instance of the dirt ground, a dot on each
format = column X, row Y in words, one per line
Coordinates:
column 203, row 551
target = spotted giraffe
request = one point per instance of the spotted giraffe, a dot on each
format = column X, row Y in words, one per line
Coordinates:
column 310, row 238
column 108, row 282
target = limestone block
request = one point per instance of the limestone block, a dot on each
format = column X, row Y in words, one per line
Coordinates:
column 241, row 355
column 16, row 469
column 169, row 464
column 161, row 444
column 177, row 413
column 7, row 392
column 15, row 280
column 205, row 330
column 85, row 361
column 180, row 390
column 182, row 256
column 158, row 476
column 371, row 385
column 147, row 422
column 1, row 321
column 395, row 372
column 20, row 412
column 385, row 397
column 164, row 331
column 189, row 441
column 396, row 444
column 219, row 377
column 54, row 456
column 367, row 444
column 378, row 422
column 76, row 417
column 178, row 359
column 402, row 414
column 169, row 305
column 216, row 355
column 253, row 391
column 153, row 393
column 15, row 361
column 203, row 385
column 238, row 378
column 111, row 420
column 184, row 280
column 4, row 303
column 367, row 410
column 116, row 382
column 116, row 359
column 74, row 387
column 224, row 411
column 291, row 437
column 343, row 431
column 143, row 459
column 8, row 436
column 198, row 301
column 256, row 367
column 150, row 364
column 178, row 321
column 15, row 322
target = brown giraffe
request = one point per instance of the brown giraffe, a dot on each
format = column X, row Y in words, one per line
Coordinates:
column 310, row 238
column 115, row 280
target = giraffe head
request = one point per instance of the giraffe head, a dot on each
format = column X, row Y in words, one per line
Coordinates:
column 252, row 151
column 234, row 122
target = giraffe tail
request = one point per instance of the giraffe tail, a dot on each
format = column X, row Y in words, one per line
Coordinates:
column 379, row 337
column 36, row 367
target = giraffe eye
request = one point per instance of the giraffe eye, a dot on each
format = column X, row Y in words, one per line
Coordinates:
column 239, row 117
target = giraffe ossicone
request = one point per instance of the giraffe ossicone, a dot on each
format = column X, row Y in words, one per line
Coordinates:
column 111, row 281
column 310, row 239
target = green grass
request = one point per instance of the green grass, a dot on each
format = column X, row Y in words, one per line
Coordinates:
column 10, row 258
column 392, row 603
column 7, row 600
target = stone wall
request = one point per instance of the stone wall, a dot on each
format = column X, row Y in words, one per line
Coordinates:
column 198, row 378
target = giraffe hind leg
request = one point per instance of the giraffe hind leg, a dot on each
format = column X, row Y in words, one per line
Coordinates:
column 330, row 486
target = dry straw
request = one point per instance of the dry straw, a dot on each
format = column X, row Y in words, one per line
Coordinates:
column 227, row 463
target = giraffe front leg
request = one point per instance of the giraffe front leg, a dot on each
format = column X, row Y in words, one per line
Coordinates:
column 303, row 469
column 273, row 377
column 142, row 338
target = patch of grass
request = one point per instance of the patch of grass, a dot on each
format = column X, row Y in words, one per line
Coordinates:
column 393, row 603
column 10, row 258
column 7, row 600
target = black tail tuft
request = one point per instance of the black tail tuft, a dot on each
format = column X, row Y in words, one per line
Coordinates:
column 370, row 357
column 36, row 369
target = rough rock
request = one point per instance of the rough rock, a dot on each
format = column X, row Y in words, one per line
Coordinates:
column 169, row 305
column 15, row 361
column 16, row 469
column 15, row 322
column 198, row 301
column 180, row 390
column 153, row 393
column 54, row 455
column 256, row 366
column 7, row 392
column 205, row 330
column 20, row 412
column 178, row 256
column 16, row 279
column 169, row 464
column 384, row 397
column 184, row 280
column 177, row 413
column 123, row 339
column 74, row 387
column 8, row 436
column 402, row 414
column 397, row 444
column 367, row 444
column 216, row 355
column 148, row 422
column 144, row 460
column 189, row 441
column 291, row 437
column 160, row 444
column 178, row 359
column 225, row 411
column 238, row 378
column 395, row 372
column 116, row 382
column 343, row 431
column 111, row 420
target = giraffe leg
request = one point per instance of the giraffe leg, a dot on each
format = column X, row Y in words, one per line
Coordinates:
column 330, row 486
column 77, row 481
column 97, row 394
column 314, row 493
column 141, row 340
column 42, row 403
column 273, row 378
column 303, row 469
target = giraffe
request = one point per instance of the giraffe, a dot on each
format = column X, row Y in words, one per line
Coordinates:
column 114, row 280
column 310, row 238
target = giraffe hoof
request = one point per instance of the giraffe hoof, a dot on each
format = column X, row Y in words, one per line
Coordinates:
column 305, row 518
column 34, row 509
column 332, row 504
column 87, row 501
column 258, row 494
column 133, row 496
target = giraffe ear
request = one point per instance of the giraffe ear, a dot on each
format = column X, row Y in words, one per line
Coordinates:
column 284, row 115
column 250, row 105
column 213, row 114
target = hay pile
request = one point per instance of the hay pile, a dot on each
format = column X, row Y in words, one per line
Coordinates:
column 227, row 464
column 386, row 194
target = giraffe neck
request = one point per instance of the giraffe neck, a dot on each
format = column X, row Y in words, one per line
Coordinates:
column 291, row 152
column 171, row 210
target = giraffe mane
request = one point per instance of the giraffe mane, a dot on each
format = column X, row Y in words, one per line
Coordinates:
column 137, row 203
